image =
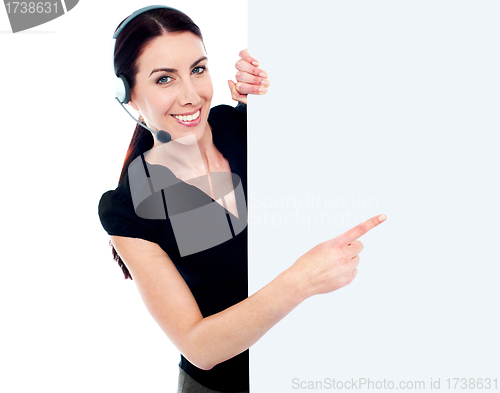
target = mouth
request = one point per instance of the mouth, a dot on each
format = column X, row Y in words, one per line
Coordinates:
column 189, row 119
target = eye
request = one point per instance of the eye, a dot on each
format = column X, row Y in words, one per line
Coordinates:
column 163, row 80
column 199, row 70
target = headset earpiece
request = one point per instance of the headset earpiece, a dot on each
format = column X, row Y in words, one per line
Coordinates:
column 122, row 89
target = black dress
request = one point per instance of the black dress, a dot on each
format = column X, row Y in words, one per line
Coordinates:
column 215, row 269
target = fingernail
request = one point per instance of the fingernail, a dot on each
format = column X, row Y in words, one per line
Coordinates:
column 262, row 90
column 263, row 74
column 255, row 63
column 265, row 82
column 382, row 217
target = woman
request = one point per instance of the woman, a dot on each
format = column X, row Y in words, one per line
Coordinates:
column 164, row 218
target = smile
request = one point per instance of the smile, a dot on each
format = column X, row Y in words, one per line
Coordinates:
column 188, row 119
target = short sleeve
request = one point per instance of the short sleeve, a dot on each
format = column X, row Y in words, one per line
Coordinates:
column 118, row 217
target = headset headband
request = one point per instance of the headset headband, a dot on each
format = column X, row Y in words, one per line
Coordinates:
column 138, row 12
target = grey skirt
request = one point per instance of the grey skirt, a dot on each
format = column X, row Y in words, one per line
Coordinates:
column 189, row 385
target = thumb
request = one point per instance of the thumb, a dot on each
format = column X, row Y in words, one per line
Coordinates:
column 234, row 92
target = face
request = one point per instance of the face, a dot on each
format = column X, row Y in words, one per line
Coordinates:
column 173, row 89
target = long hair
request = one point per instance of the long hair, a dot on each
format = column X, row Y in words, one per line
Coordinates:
column 129, row 45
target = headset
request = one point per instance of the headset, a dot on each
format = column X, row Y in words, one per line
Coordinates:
column 122, row 90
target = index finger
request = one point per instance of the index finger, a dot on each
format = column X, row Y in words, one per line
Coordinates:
column 360, row 229
column 245, row 56
column 245, row 66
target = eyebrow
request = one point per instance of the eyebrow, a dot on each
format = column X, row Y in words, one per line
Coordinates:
column 174, row 70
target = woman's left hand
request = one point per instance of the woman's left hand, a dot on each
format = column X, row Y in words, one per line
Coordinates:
column 250, row 79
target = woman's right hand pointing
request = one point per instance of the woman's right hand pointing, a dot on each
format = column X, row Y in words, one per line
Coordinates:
column 332, row 264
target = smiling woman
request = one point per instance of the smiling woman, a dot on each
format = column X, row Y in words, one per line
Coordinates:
column 160, row 54
column 173, row 89
column 177, row 219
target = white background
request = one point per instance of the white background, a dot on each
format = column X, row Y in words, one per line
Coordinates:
column 379, row 107
column 69, row 320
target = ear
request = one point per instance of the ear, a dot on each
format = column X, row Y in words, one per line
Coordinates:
column 133, row 105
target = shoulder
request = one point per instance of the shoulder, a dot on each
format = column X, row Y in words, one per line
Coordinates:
column 229, row 124
column 227, row 116
column 112, row 202
column 118, row 216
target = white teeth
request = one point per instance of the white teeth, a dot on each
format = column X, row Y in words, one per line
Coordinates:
column 188, row 117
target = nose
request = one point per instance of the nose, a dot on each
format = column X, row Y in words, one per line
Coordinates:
column 188, row 94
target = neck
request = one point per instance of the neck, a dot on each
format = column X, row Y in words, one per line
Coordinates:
column 186, row 157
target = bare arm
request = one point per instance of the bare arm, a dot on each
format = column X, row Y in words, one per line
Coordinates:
column 206, row 342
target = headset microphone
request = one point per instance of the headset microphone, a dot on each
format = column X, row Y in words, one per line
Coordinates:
column 162, row 136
